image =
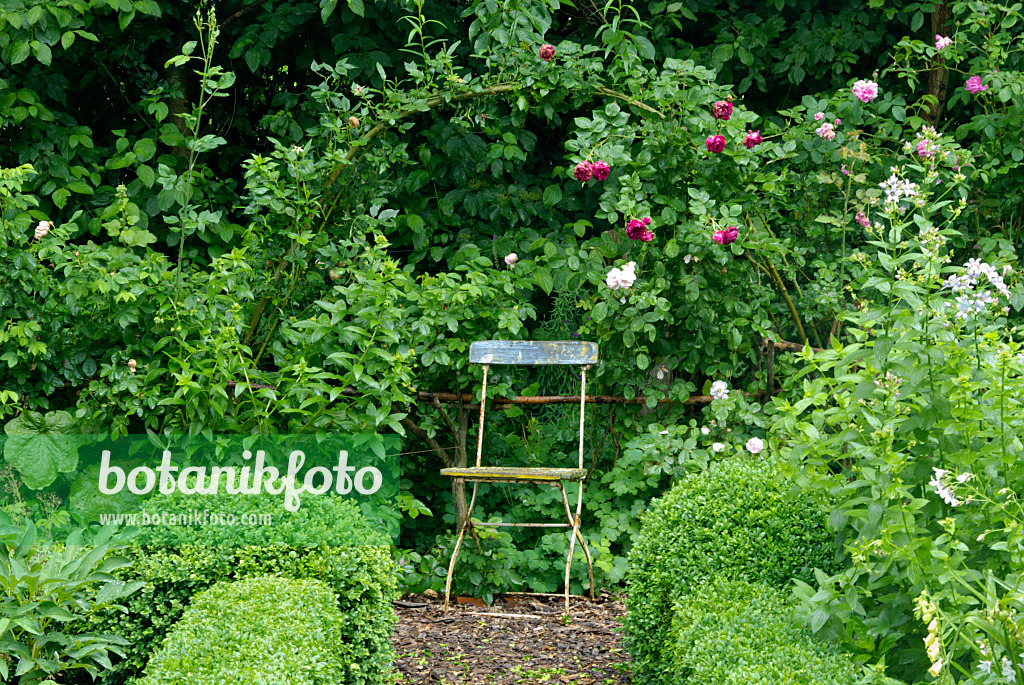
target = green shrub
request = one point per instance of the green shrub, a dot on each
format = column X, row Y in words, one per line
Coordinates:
column 732, row 521
column 362, row 575
column 738, row 633
column 267, row 630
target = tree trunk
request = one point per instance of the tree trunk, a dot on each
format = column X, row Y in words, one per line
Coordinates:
column 938, row 78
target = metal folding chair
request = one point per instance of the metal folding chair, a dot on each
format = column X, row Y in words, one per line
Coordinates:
column 532, row 353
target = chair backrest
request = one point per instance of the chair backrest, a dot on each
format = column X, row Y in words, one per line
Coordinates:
column 533, row 352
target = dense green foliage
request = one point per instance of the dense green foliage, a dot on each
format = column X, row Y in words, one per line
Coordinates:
column 361, row 575
column 738, row 633
column 733, row 521
column 47, row 592
column 266, row 629
column 920, row 415
column 290, row 216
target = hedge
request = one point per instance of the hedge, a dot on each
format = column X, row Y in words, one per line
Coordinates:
column 357, row 565
column 269, row 630
column 732, row 521
column 738, row 633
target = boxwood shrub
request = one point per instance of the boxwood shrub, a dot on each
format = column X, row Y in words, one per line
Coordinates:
column 738, row 633
column 734, row 521
column 356, row 563
column 269, row 630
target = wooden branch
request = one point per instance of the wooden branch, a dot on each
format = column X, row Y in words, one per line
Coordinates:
column 625, row 98
column 433, row 444
column 792, row 346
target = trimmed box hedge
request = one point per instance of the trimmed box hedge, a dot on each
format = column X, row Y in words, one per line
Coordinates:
column 732, row 521
column 268, row 630
column 737, row 633
column 357, row 565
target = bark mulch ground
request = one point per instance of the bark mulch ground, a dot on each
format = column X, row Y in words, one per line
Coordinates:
column 532, row 645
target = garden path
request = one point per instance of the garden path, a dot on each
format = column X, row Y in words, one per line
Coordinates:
column 465, row 647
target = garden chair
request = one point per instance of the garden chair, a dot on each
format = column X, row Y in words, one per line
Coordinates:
column 531, row 353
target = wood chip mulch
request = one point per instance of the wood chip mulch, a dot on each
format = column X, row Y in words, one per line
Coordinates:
column 469, row 645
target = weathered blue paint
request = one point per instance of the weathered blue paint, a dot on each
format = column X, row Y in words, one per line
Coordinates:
column 533, row 352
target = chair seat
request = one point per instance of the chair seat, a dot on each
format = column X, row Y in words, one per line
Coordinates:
column 512, row 474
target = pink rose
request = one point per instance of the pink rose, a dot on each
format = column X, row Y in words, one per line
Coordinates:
column 715, row 144
column 583, row 172
column 547, row 52
column 601, row 170
column 722, row 110
column 865, row 91
column 753, row 138
column 974, row 85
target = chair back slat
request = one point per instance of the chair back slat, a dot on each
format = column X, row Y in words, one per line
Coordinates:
column 533, row 352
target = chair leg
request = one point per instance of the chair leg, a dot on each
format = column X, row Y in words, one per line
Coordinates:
column 579, row 536
column 455, row 553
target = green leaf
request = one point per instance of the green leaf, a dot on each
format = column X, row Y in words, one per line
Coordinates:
column 357, row 7
column 42, row 52
column 327, row 9
column 145, row 149
column 543, row 278
column 39, row 448
column 146, row 175
column 20, row 52
column 552, row 194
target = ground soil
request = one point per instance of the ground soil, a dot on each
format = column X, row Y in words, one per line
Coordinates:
column 529, row 642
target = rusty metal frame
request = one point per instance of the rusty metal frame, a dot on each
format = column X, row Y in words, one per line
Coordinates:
column 572, row 520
